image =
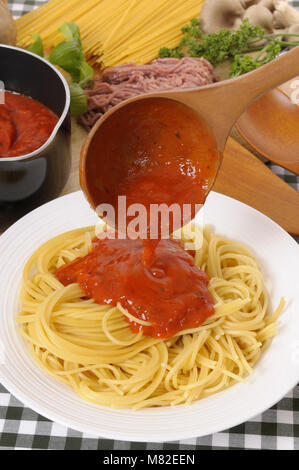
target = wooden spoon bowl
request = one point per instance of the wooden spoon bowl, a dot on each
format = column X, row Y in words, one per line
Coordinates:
column 271, row 127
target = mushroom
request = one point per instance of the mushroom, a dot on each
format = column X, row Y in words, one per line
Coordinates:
column 249, row 3
column 259, row 15
column 293, row 29
column 271, row 15
column 225, row 14
column 268, row 4
column 8, row 30
column 284, row 15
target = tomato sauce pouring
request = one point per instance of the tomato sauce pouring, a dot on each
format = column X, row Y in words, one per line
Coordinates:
column 158, row 152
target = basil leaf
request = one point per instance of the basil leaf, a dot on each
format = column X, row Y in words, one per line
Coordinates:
column 68, row 56
column 37, row 46
column 78, row 100
column 86, row 74
column 71, row 32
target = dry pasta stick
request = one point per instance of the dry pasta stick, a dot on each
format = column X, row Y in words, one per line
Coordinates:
column 112, row 32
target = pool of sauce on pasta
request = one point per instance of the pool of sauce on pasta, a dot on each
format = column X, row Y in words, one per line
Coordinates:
column 172, row 294
column 171, row 157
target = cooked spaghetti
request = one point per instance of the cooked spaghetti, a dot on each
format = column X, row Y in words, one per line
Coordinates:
column 92, row 348
column 115, row 32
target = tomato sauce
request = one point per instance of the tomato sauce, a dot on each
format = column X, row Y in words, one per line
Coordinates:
column 25, row 125
column 159, row 151
column 172, row 294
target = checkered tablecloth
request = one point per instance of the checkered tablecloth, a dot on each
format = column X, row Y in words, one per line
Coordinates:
column 22, row 428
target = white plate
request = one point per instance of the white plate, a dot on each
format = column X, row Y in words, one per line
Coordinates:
column 275, row 374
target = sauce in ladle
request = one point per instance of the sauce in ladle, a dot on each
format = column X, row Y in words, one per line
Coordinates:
column 155, row 151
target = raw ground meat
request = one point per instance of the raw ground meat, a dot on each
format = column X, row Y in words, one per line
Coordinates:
column 125, row 81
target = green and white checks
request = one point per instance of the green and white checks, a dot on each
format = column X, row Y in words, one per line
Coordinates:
column 276, row 428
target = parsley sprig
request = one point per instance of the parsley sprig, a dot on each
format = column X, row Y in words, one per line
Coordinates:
column 234, row 46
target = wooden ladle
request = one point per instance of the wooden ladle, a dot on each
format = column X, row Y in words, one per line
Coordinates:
column 219, row 105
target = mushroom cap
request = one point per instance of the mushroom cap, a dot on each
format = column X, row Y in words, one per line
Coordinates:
column 216, row 15
column 268, row 4
column 249, row 3
column 293, row 29
column 284, row 14
column 260, row 16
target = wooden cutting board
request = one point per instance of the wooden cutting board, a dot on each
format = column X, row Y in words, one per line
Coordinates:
column 242, row 176
column 246, row 178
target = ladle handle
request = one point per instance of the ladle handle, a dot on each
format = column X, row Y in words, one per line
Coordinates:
column 251, row 86
column 222, row 103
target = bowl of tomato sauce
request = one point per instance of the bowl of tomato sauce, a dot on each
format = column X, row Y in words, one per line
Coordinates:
column 35, row 130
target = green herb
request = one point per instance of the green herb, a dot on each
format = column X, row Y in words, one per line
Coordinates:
column 78, row 99
column 176, row 52
column 37, row 46
column 71, row 32
column 69, row 56
column 86, row 74
column 230, row 45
